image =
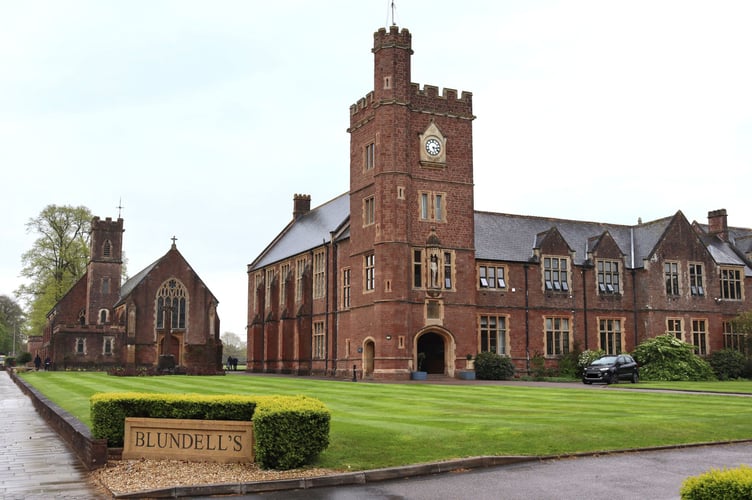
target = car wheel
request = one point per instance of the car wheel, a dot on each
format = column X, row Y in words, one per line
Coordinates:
column 635, row 378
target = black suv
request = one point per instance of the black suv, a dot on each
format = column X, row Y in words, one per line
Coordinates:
column 610, row 369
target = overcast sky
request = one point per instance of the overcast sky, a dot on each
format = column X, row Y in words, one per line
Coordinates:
column 206, row 117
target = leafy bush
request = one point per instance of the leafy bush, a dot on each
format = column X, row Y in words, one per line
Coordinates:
column 587, row 357
column 729, row 484
column 747, row 373
column 492, row 366
column 727, row 364
column 667, row 358
column 569, row 365
column 23, row 358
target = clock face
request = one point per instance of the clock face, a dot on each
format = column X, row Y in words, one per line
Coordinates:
column 433, row 146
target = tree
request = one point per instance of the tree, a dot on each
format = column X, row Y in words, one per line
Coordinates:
column 11, row 323
column 233, row 346
column 57, row 259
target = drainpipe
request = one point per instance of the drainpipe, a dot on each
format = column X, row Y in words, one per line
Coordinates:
column 584, row 306
column 527, row 322
column 326, row 309
column 335, row 301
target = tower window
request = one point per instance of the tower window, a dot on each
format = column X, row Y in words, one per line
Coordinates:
column 370, row 272
column 107, row 250
column 369, row 211
column 370, row 156
column 432, row 206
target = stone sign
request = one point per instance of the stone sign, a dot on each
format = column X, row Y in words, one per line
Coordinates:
column 220, row 441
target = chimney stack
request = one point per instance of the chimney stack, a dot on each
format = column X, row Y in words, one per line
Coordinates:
column 301, row 205
column 718, row 223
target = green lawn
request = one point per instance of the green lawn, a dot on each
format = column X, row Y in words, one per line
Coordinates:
column 378, row 425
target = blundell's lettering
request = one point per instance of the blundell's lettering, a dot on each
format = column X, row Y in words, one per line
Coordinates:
column 212, row 440
column 188, row 440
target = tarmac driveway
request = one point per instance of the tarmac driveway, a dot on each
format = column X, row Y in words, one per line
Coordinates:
column 654, row 475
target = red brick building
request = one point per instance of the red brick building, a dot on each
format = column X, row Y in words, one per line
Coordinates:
column 164, row 316
column 402, row 263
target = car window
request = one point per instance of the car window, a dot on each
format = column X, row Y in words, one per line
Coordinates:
column 605, row 360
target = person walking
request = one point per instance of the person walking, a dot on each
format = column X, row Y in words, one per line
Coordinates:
column 37, row 362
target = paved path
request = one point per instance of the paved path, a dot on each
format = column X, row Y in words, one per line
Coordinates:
column 34, row 461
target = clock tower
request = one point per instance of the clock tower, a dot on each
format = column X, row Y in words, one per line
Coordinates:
column 411, row 215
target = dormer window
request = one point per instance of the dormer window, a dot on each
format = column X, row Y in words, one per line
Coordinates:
column 608, row 276
column 555, row 274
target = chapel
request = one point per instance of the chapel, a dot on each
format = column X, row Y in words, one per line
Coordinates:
column 161, row 320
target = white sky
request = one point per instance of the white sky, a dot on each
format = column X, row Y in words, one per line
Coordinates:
column 205, row 118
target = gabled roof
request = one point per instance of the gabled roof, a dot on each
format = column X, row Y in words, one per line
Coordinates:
column 307, row 231
column 132, row 283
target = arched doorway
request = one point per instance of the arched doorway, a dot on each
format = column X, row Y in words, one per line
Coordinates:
column 432, row 344
column 369, row 349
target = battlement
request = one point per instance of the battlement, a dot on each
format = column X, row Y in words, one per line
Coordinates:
column 394, row 38
column 426, row 98
column 447, row 93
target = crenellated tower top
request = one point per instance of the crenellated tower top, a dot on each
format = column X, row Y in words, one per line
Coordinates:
column 392, row 50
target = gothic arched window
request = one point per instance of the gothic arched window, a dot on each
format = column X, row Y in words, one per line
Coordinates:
column 172, row 294
column 107, row 250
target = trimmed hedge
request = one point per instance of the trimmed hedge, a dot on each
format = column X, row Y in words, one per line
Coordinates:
column 294, row 429
column 289, row 431
column 729, row 484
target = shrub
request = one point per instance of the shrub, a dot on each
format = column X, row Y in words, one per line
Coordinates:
column 290, row 431
column 747, row 369
column 587, row 357
column 23, row 358
column 727, row 364
column 538, row 366
column 729, row 484
column 569, row 365
column 667, row 358
column 492, row 366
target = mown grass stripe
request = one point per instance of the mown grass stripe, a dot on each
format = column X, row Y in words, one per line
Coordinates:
column 379, row 425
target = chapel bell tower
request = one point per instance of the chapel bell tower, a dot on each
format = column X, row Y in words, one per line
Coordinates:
column 104, row 270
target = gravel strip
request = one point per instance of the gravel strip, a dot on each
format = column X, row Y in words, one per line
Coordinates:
column 130, row 476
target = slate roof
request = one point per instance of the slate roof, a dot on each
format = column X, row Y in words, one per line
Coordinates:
column 493, row 241
column 508, row 237
column 307, row 232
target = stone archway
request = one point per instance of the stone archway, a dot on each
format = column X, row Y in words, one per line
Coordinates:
column 369, row 350
column 434, row 347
